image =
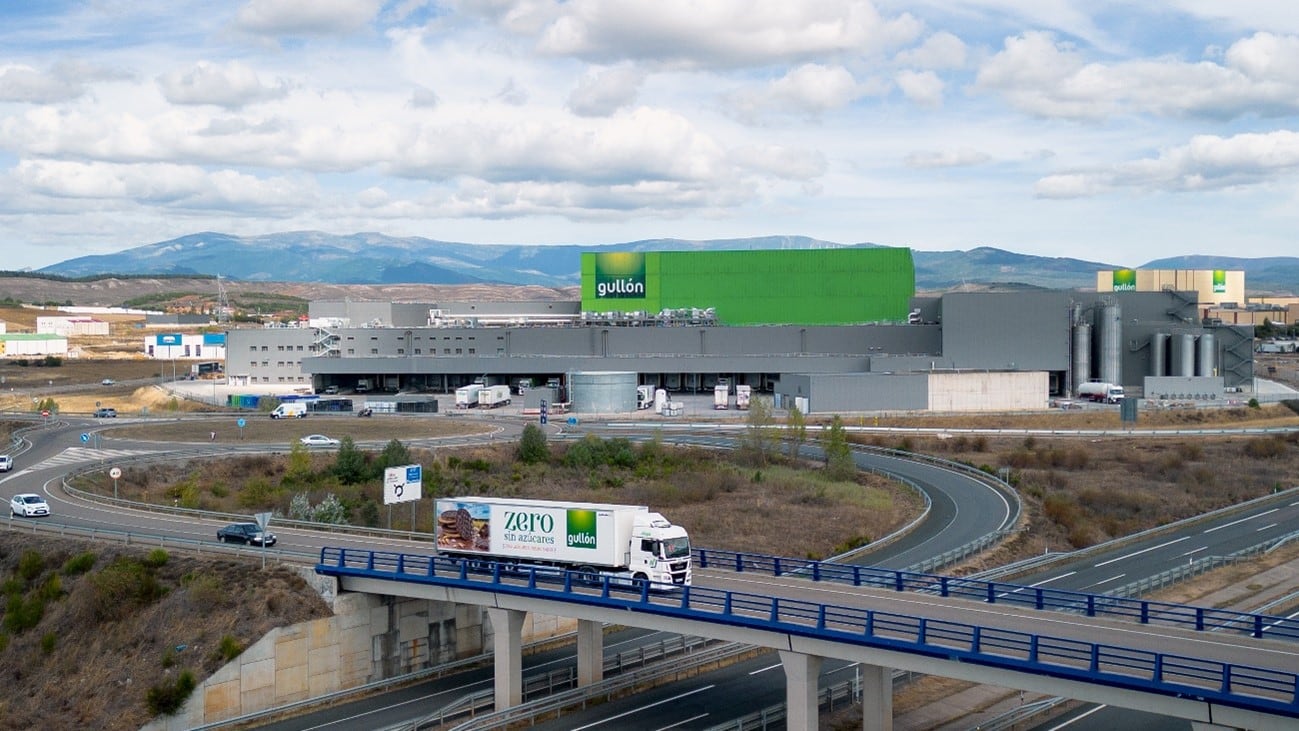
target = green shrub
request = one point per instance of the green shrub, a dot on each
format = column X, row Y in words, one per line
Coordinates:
column 157, row 557
column 30, row 565
column 229, row 648
column 23, row 614
column 532, row 445
column 48, row 642
column 121, row 586
column 79, row 564
column 167, row 698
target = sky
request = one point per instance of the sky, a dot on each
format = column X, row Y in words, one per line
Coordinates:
column 1110, row 132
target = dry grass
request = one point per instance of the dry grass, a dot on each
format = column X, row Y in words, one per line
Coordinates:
column 102, row 665
column 722, row 504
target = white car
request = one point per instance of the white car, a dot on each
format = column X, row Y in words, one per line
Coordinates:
column 6, row 463
column 28, row 505
column 319, row 440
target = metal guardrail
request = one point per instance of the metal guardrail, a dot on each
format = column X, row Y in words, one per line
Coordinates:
column 1265, row 690
column 828, row 699
column 993, row 592
column 580, row 697
column 43, row 525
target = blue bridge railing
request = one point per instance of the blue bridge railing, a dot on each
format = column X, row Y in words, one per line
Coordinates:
column 1203, row 619
column 1262, row 689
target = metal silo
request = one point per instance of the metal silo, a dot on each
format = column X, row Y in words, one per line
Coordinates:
column 1159, row 354
column 1082, row 354
column 1109, row 335
column 602, row 392
column 1206, row 363
column 1182, row 361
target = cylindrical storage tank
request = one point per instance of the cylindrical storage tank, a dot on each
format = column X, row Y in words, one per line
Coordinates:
column 1082, row 354
column 1206, row 362
column 1110, row 335
column 602, row 392
column 1159, row 354
column 1182, row 355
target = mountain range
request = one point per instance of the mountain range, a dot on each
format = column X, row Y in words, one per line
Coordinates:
column 373, row 258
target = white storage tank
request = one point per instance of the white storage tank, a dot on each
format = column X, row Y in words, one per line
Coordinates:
column 1110, row 334
column 1159, row 354
column 1182, row 362
column 1206, row 362
column 602, row 392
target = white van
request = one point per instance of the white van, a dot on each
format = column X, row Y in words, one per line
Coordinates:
column 290, row 409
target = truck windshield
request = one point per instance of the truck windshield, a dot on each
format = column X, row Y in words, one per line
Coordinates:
column 676, row 548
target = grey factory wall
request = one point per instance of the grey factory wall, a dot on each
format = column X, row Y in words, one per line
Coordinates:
column 840, row 392
column 1023, row 331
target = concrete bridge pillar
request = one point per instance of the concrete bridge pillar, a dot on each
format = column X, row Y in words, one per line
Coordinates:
column 876, row 698
column 590, row 652
column 801, row 675
column 507, row 651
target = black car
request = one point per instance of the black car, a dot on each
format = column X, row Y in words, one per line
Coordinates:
column 245, row 533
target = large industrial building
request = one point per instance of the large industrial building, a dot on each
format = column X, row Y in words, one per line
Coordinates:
column 836, row 330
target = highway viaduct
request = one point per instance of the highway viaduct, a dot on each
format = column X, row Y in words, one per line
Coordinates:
column 1215, row 680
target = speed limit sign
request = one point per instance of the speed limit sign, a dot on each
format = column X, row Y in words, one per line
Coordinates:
column 115, row 473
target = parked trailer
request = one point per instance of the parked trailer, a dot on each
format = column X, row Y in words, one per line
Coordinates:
column 721, row 396
column 467, row 396
column 620, row 541
column 492, row 396
column 742, row 396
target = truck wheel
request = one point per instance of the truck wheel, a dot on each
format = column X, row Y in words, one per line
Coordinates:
column 639, row 579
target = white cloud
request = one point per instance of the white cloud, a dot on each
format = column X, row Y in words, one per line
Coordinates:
column 1041, row 76
column 305, row 17
column 718, row 33
column 63, row 81
column 941, row 50
column 603, row 92
column 233, row 85
column 161, row 184
column 809, row 90
column 1207, row 162
column 946, row 158
column 922, row 87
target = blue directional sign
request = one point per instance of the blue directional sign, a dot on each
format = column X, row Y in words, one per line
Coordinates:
column 242, row 422
column 85, row 437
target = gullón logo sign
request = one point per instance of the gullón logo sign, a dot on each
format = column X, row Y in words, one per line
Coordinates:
column 581, row 528
column 1125, row 280
column 1219, row 281
column 619, row 275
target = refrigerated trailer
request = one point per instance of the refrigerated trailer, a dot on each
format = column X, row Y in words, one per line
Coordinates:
column 619, row 541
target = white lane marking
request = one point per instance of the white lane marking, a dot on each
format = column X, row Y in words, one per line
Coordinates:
column 1106, row 581
column 763, row 670
column 683, row 722
column 1053, row 578
column 1075, row 719
column 1005, row 594
column 1138, row 553
column 1242, row 520
column 1269, row 525
column 1196, row 550
column 647, row 706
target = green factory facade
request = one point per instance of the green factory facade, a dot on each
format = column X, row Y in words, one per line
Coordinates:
column 761, row 287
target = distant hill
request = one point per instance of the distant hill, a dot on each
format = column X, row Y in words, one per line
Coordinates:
column 377, row 259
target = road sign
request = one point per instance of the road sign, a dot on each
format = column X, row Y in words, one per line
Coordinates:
column 115, row 473
column 242, row 422
column 45, row 413
column 402, row 484
column 84, row 437
column 263, row 519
